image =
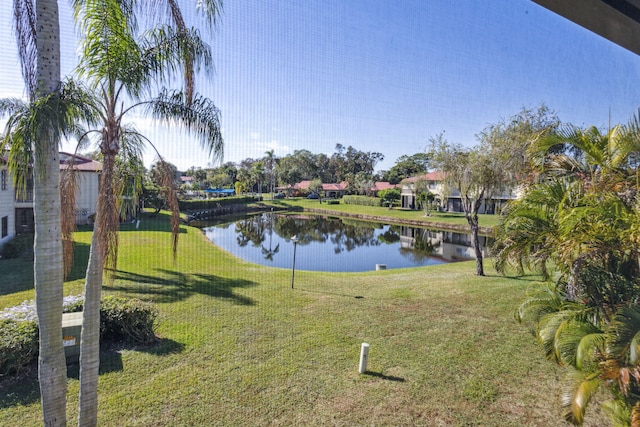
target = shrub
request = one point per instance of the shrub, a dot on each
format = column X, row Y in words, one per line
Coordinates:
column 361, row 200
column 191, row 205
column 333, row 202
column 17, row 246
column 18, row 344
column 129, row 320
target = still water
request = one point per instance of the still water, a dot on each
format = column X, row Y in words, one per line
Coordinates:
column 338, row 245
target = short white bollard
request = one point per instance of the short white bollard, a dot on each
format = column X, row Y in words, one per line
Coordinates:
column 364, row 358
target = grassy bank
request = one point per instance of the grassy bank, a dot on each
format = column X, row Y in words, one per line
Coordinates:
column 454, row 218
column 240, row 347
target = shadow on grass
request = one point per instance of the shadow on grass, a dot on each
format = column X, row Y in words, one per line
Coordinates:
column 80, row 260
column 333, row 293
column 110, row 361
column 170, row 286
column 164, row 347
column 384, row 377
column 22, row 389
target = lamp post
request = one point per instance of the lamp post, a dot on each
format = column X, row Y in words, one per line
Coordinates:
column 294, row 239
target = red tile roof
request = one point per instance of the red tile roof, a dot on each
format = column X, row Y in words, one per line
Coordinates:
column 80, row 163
column 431, row 176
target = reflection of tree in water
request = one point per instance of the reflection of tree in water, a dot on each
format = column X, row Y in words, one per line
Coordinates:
column 251, row 229
column 320, row 229
column 423, row 246
column 390, row 236
column 268, row 253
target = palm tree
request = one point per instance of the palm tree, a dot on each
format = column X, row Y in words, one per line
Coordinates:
column 270, row 163
column 38, row 35
column 584, row 218
column 123, row 64
column 528, row 234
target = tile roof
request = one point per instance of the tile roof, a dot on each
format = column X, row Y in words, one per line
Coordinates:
column 80, row 163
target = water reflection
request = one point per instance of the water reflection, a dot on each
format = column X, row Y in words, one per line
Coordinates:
column 333, row 244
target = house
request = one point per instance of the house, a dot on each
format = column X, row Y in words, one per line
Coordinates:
column 87, row 176
column 432, row 181
column 333, row 190
column 451, row 199
column 16, row 209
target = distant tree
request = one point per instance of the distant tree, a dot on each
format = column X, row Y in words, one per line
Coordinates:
column 347, row 162
column 269, row 160
column 406, row 167
column 424, row 197
column 510, row 141
column 296, row 167
column 241, row 187
column 389, row 196
column 476, row 175
column 315, row 187
column 197, row 173
column 243, row 181
column 362, row 183
column 221, row 177
column 155, row 173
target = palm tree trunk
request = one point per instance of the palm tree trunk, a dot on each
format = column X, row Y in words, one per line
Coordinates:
column 48, row 260
column 90, row 342
column 48, row 277
column 104, row 230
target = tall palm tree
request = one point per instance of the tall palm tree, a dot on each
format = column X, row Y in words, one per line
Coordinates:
column 38, row 35
column 123, row 65
column 269, row 161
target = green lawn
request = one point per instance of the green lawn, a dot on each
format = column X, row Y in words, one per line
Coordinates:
column 241, row 348
column 395, row 213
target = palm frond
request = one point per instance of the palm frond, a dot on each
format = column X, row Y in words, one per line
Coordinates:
column 625, row 335
column 201, row 119
column 25, row 29
column 577, row 396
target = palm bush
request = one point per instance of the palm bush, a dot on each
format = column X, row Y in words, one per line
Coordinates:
column 579, row 227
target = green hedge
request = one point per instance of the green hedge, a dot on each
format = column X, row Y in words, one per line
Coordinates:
column 128, row 320
column 195, row 205
column 18, row 345
column 17, row 246
column 361, row 200
column 121, row 320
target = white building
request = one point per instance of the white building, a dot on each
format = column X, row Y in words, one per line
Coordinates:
column 451, row 200
column 16, row 210
column 7, row 198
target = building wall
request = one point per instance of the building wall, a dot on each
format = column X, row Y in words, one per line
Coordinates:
column 7, row 212
column 87, row 196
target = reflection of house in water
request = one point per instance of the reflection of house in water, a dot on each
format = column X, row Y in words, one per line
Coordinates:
column 448, row 245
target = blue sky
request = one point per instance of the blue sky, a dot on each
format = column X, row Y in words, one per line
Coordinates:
column 384, row 75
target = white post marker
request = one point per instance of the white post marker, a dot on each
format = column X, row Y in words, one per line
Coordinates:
column 364, row 358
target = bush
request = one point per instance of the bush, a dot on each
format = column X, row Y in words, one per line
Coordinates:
column 194, row 205
column 129, row 320
column 17, row 246
column 18, row 344
column 361, row 200
column 333, row 202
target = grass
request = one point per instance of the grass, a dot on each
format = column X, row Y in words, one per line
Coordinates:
column 395, row 213
column 240, row 347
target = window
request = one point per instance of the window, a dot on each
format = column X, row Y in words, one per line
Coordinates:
column 5, row 226
column 3, row 179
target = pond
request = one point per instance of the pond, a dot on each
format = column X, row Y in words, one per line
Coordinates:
column 338, row 245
